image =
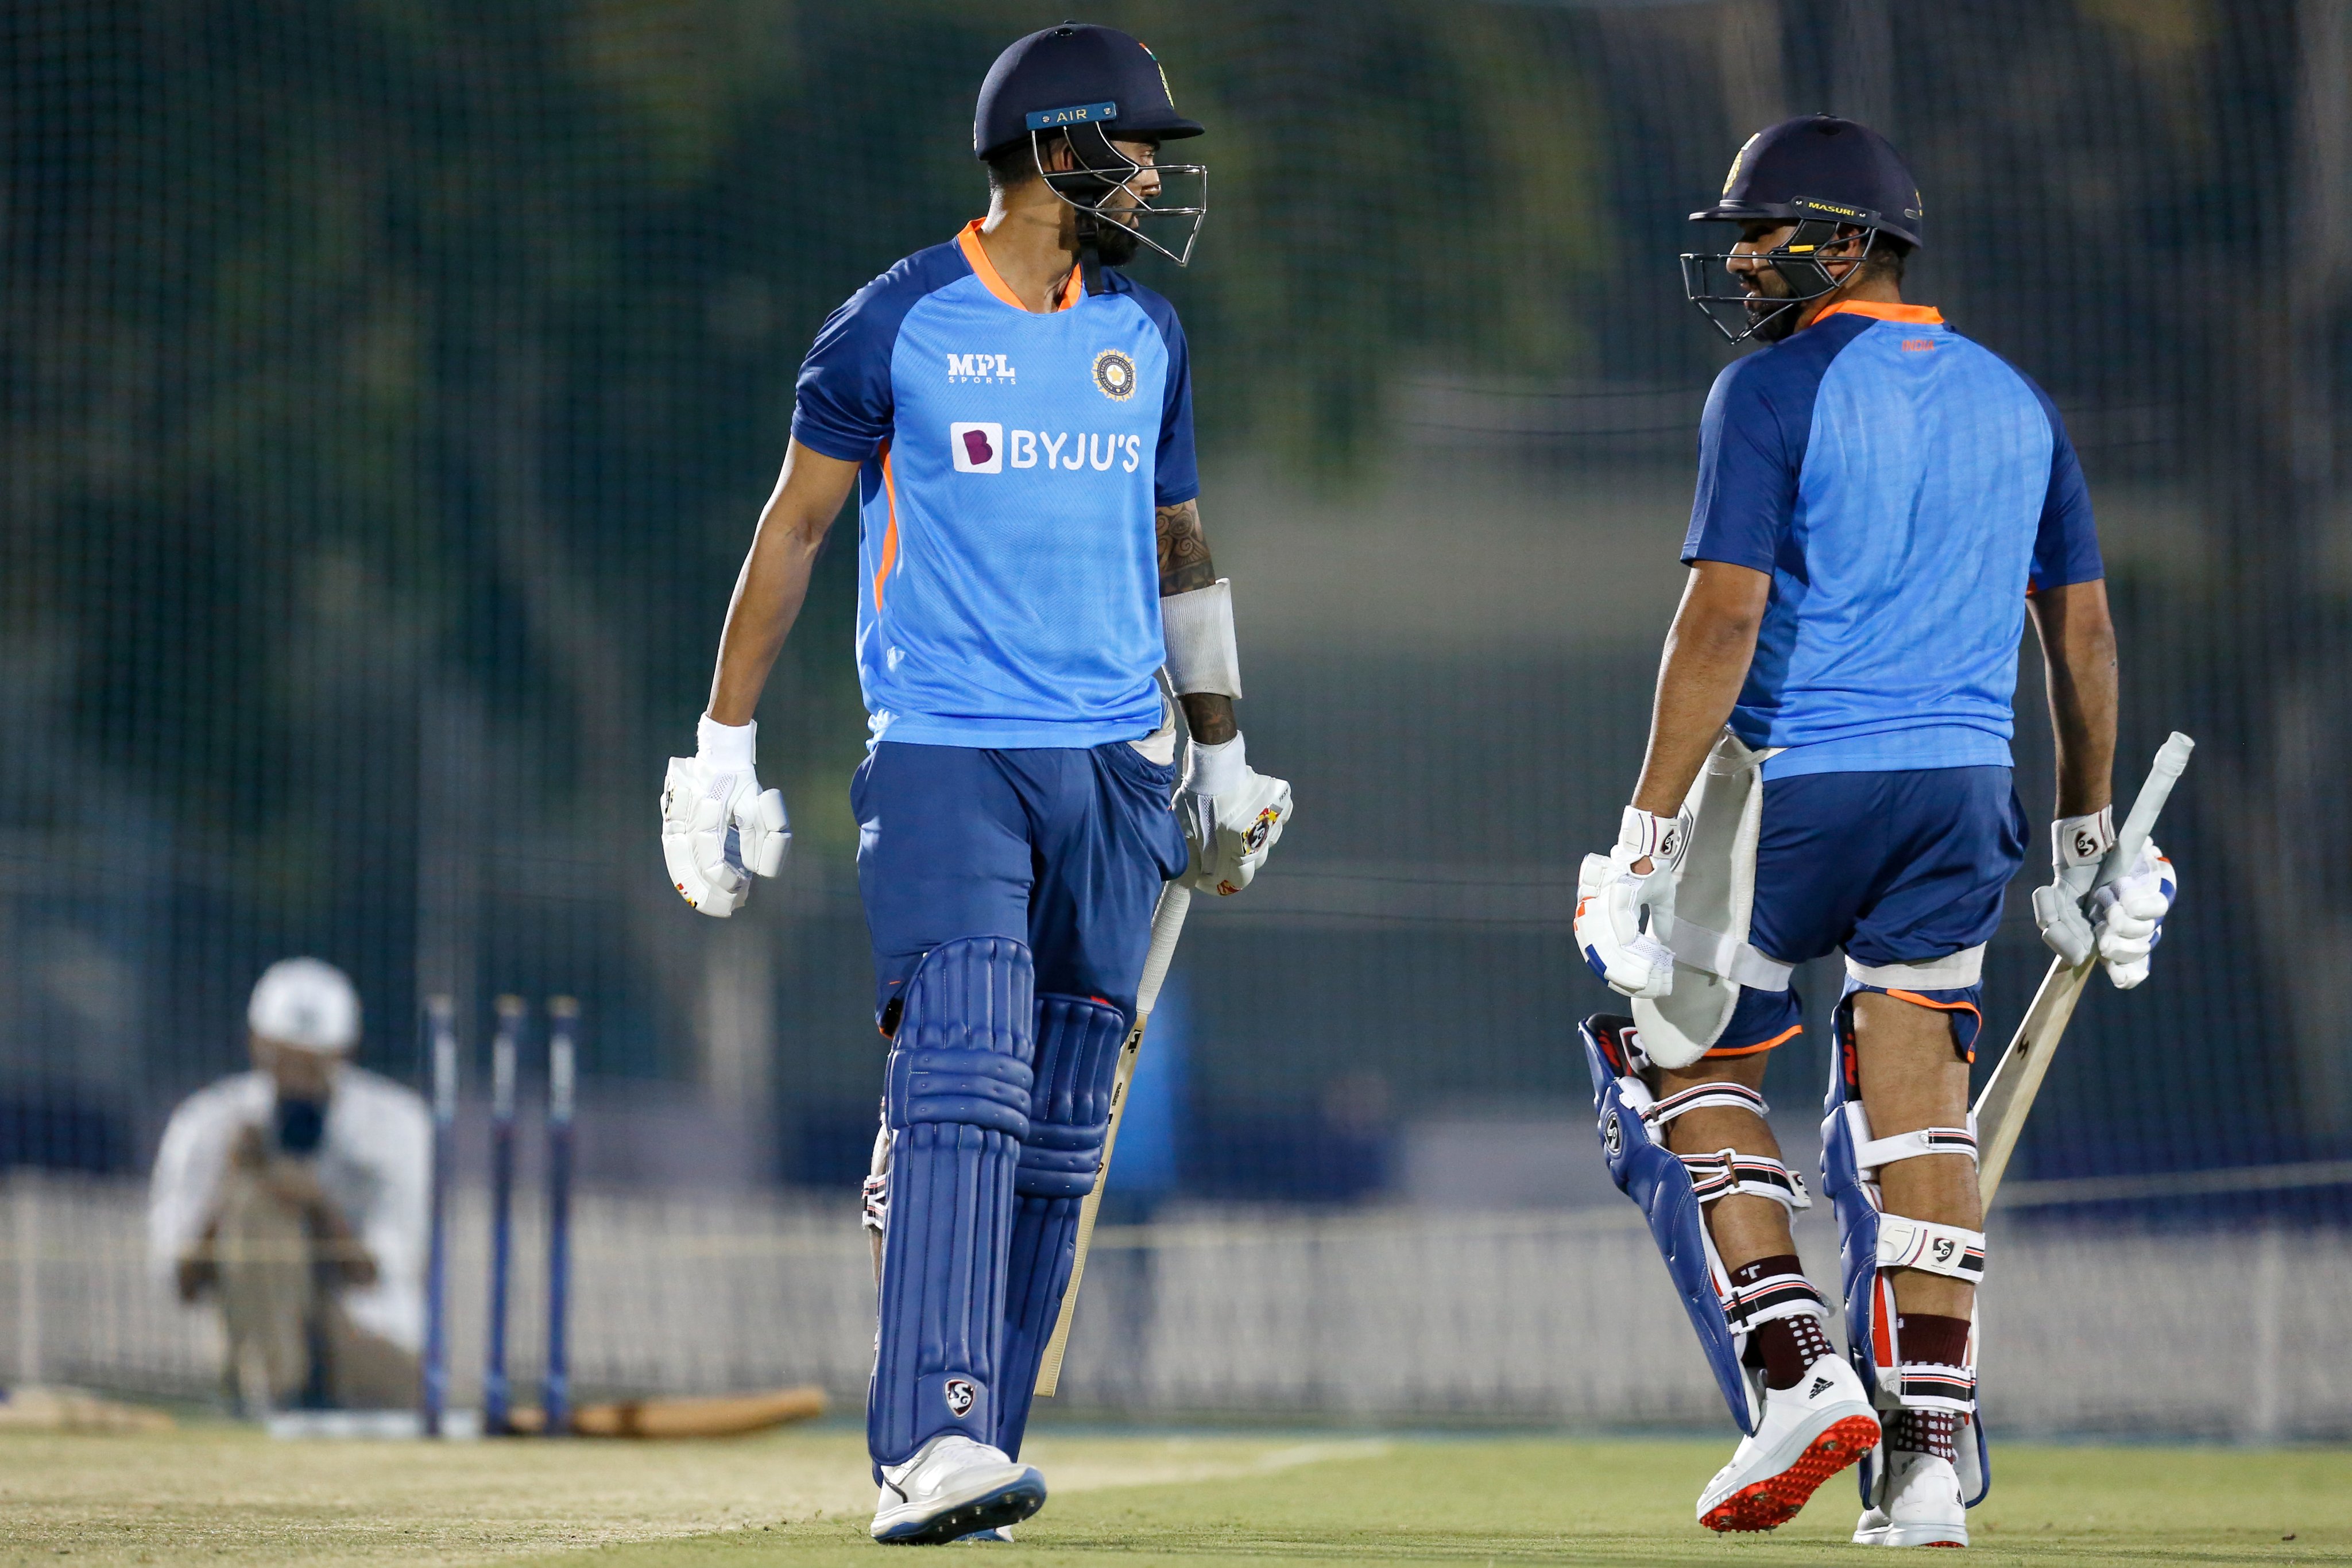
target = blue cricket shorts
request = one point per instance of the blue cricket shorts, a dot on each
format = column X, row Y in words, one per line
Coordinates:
column 1063, row 848
column 1896, row 868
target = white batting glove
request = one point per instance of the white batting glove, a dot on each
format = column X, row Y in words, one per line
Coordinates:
column 1620, row 912
column 2078, row 845
column 2128, row 916
column 1232, row 816
column 719, row 828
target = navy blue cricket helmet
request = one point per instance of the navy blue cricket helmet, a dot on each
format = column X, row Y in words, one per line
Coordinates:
column 1823, row 174
column 1076, row 66
column 1090, row 85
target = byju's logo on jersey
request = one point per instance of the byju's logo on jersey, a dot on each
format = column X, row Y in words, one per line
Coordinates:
column 995, row 368
column 979, row 448
column 991, row 449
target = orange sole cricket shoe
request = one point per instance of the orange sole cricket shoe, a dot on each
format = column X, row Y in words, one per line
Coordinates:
column 1774, row 1499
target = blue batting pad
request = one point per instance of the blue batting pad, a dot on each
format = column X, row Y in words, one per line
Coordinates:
column 1660, row 1185
column 1857, row 1220
column 1078, row 1040
column 957, row 1104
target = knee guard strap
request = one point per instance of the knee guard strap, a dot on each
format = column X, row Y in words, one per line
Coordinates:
column 1727, row 1171
column 1878, row 1153
column 957, row 1104
column 1079, row 1041
column 1923, row 1244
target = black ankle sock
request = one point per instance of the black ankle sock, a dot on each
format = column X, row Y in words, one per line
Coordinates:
column 1784, row 1347
column 1928, row 1337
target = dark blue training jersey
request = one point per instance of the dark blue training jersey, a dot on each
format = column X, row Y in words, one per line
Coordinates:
column 1008, row 572
column 1905, row 488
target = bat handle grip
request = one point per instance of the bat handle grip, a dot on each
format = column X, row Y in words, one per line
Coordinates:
column 1167, row 924
column 2171, row 761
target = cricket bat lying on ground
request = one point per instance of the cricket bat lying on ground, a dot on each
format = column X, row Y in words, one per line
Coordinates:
column 2009, row 1094
column 1167, row 924
column 33, row 1408
column 726, row 1415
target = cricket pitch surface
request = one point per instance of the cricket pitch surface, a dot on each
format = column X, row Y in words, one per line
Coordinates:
column 225, row 1495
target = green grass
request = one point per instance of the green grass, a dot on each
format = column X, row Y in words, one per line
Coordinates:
column 1631, row 1501
column 223, row 1495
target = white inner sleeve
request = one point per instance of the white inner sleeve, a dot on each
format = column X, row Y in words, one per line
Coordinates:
column 1201, row 655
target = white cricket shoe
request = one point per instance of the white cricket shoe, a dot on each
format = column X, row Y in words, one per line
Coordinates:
column 953, row 1487
column 1808, row 1433
column 1922, row 1505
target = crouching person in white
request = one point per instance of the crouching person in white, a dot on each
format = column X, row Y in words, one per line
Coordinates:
column 295, row 1196
column 1877, row 498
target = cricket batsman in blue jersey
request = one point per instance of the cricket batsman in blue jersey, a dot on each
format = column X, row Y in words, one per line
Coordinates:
column 1017, row 416
column 1880, row 501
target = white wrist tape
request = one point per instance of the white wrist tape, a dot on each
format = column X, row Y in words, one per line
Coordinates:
column 1219, row 770
column 726, row 746
column 1202, row 656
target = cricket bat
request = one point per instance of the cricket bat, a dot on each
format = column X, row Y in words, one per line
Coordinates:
column 726, row 1415
column 2009, row 1094
column 1167, row 924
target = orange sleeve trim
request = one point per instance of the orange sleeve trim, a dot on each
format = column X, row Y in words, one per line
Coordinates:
column 1916, row 1000
column 1924, row 315
column 1786, row 1035
column 975, row 254
column 890, row 532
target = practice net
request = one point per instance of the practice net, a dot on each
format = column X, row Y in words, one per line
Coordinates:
column 393, row 389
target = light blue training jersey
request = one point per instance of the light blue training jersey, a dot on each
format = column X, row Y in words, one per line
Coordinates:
column 1009, row 579
column 1905, row 488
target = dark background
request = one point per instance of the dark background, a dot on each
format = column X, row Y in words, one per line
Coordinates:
column 391, row 387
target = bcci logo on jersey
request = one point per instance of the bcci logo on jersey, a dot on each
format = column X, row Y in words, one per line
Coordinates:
column 1114, row 375
column 978, row 448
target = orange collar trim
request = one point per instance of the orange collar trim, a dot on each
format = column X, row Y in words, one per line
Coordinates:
column 1923, row 315
column 985, row 270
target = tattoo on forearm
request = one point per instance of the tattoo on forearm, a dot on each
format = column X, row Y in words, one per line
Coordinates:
column 1210, row 717
column 1184, row 563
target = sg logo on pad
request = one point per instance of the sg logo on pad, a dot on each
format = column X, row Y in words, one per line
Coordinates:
column 978, row 448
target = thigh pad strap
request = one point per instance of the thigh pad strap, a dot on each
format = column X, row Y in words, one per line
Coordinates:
column 1870, row 1157
column 1720, row 1096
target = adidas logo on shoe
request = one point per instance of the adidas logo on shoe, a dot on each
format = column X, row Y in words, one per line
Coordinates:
column 1821, row 1386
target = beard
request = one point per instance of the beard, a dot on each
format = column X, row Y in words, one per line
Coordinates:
column 1115, row 244
column 1777, row 314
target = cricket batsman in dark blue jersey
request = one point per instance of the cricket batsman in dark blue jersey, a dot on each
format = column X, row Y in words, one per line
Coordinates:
column 1016, row 417
column 1880, row 501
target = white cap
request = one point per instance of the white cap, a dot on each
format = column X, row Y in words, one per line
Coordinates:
column 306, row 1003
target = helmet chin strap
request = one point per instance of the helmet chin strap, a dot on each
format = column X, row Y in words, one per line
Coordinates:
column 1089, row 256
